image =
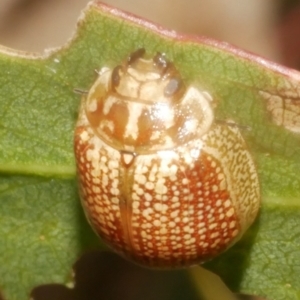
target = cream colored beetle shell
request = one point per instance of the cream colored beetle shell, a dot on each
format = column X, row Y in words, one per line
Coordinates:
column 161, row 182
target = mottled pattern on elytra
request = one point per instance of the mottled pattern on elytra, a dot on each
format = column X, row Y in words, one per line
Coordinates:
column 173, row 208
column 227, row 145
column 184, row 213
column 98, row 173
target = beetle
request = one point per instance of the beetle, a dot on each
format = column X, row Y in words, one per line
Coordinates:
column 161, row 182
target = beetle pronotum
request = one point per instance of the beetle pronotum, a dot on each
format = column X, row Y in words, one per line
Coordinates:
column 161, row 182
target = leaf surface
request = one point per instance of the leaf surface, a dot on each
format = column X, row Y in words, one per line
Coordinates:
column 41, row 223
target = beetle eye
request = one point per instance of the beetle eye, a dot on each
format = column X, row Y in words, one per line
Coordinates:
column 173, row 87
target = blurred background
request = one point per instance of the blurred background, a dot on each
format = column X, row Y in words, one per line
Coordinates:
column 269, row 28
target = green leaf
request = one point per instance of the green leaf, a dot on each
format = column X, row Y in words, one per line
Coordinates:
column 42, row 229
column 41, row 223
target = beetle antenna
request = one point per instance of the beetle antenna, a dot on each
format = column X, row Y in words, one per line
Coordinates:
column 233, row 124
column 80, row 91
